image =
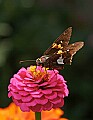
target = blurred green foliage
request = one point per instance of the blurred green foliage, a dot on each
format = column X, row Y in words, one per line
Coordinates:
column 27, row 29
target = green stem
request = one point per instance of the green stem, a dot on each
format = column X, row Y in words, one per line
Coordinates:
column 37, row 115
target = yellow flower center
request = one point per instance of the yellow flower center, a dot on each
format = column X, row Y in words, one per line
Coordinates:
column 39, row 74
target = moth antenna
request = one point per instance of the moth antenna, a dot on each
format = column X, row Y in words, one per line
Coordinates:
column 26, row 61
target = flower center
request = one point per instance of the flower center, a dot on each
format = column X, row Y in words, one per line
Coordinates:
column 39, row 73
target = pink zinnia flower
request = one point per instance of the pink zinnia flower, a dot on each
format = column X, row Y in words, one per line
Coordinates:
column 37, row 89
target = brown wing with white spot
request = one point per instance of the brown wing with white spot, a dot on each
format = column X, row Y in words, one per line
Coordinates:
column 73, row 48
column 70, row 50
column 60, row 42
column 66, row 55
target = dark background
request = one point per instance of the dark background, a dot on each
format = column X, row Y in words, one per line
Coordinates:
column 28, row 28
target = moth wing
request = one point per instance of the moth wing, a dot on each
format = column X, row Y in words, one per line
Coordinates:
column 63, row 39
column 70, row 50
column 73, row 48
column 67, row 55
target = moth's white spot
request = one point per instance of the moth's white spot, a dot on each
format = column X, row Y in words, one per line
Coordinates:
column 60, row 60
column 61, row 41
column 68, row 50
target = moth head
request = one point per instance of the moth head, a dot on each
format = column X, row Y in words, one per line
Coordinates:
column 41, row 60
column 38, row 61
